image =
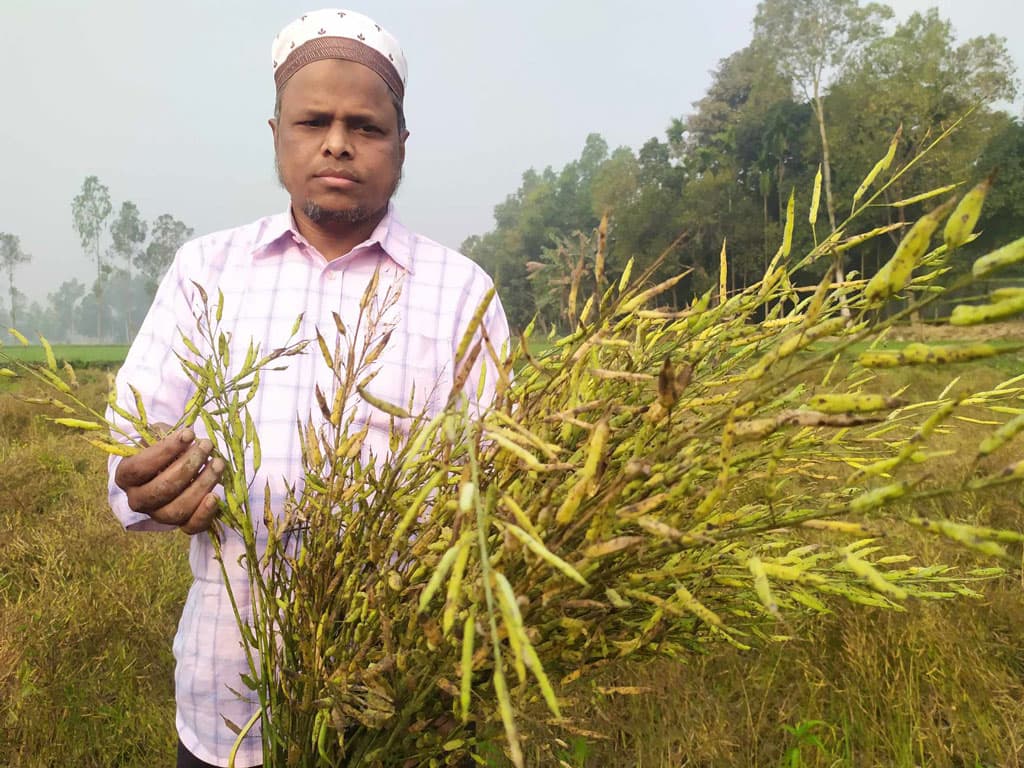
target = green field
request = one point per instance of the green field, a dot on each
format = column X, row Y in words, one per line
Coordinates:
column 76, row 354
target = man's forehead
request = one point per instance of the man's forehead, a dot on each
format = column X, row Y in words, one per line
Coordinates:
column 335, row 34
column 327, row 85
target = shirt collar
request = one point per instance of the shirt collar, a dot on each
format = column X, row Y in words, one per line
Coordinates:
column 390, row 235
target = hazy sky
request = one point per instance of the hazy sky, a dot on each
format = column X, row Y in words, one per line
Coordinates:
column 167, row 102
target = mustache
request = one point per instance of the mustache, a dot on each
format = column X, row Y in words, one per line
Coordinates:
column 280, row 176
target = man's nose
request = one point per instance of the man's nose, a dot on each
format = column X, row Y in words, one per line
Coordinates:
column 337, row 142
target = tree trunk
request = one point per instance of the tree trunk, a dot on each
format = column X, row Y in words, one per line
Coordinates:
column 764, row 230
column 99, row 293
column 819, row 113
column 10, row 281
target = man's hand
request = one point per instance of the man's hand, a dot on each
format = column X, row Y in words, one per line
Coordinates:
column 172, row 480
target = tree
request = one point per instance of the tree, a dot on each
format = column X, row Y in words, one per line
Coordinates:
column 919, row 77
column 922, row 51
column 810, row 39
column 615, row 183
column 744, row 86
column 127, row 233
column 1003, row 217
column 11, row 256
column 546, row 205
column 167, row 236
column 741, row 148
column 89, row 211
column 770, row 153
column 644, row 225
column 38, row 319
column 63, row 304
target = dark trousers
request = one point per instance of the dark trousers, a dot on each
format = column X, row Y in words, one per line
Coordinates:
column 187, row 760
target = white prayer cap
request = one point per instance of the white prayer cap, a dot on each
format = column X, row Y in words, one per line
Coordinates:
column 334, row 33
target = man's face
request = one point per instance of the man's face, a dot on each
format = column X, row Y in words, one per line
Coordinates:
column 339, row 152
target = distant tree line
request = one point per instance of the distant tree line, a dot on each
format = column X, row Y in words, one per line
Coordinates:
column 823, row 87
column 130, row 256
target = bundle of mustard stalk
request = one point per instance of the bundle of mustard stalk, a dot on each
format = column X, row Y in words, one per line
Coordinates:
column 656, row 481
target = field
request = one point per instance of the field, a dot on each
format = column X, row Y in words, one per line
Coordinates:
column 76, row 354
column 87, row 613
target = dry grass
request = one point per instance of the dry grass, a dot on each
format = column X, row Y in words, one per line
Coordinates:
column 939, row 686
column 87, row 614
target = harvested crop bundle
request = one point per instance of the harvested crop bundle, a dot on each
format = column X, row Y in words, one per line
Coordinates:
column 653, row 482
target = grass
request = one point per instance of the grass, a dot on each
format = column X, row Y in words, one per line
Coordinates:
column 941, row 685
column 76, row 354
column 87, row 613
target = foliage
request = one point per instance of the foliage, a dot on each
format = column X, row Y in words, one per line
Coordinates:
column 89, row 212
column 167, row 237
column 806, row 39
column 810, row 39
column 724, row 171
column 662, row 480
column 72, row 311
column 803, row 735
column 1004, row 214
column 545, row 204
column 127, row 233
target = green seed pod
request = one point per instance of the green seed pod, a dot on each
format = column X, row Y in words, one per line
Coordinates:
column 881, row 165
column 847, row 403
column 969, row 314
column 78, row 424
column 761, row 586
column 877, row 497
column 999, row 438
column 896, row 272
column 961, row 222
column 1003, row 257
column 999, row 294
column 880, row 359
column 874, row 577
column 447, row 561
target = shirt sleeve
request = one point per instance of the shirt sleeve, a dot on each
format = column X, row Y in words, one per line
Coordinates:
column 153, row 368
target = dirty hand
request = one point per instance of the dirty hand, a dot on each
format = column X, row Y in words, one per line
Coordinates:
column 173, row 479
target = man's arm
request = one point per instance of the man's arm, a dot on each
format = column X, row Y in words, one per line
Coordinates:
column 170, row 483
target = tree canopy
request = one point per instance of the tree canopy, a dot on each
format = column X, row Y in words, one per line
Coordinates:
column 723, row 172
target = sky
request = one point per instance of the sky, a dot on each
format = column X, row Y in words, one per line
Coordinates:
column 167, row 103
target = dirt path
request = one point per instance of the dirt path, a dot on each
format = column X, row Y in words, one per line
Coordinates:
column 943, row 332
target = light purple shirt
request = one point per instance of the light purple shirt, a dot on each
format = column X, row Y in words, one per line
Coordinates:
column 269, row 274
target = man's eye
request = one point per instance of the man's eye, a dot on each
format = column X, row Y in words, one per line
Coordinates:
column 315, row 122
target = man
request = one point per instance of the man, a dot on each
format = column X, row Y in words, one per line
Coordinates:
column 339, row 139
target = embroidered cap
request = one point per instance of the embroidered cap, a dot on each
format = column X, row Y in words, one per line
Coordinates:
column 333, row 33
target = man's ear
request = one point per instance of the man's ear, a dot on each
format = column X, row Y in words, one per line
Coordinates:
column 273, row 129
column 401, row 145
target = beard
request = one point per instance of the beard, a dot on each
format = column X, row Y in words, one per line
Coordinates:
column 330, row 217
